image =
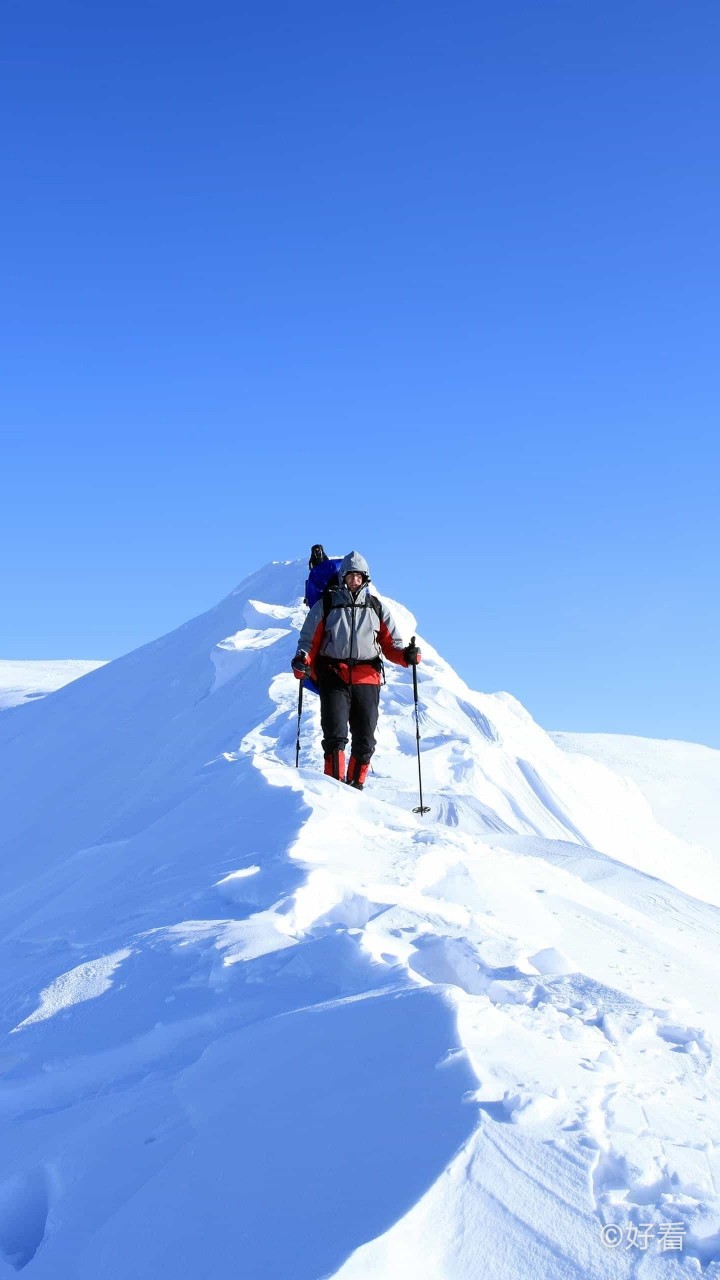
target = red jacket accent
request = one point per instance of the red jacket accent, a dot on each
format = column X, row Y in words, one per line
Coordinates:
column 392, row 653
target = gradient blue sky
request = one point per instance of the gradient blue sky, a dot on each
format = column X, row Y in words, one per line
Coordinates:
column 436, row 281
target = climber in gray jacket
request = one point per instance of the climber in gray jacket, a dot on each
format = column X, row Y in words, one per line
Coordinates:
column 342, row 642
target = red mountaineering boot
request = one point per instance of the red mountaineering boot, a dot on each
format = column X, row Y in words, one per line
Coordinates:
column 357, row 773
column 335, row 764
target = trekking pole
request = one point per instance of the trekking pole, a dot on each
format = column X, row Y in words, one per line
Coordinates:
column 297, row 744
column 421, row 808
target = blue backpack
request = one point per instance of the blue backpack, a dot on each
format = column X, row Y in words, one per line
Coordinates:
column 324, row 573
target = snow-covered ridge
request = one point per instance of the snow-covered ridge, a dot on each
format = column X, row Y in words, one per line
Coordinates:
column 256, row 1019
column 23, row 681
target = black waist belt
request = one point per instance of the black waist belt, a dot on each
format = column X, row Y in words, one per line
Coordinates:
column 323, row 663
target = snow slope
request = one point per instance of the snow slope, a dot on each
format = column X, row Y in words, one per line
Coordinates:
column 26, row 680
column 680, row 780
column 258, row 1024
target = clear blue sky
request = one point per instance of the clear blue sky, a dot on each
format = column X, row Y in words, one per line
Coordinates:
column 438, row 281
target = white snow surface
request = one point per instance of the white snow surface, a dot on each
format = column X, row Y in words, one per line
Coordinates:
column 680, row 780
column 23, row 681
column 260, row 1025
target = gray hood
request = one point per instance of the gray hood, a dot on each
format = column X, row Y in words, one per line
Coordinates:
column 354, row 563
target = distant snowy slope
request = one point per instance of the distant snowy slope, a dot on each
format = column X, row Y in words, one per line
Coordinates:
column 255, row 1023
column 22, row 681
column 680, row 780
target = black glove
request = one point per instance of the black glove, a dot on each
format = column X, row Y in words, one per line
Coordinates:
column 412, row 655
column 300, row 666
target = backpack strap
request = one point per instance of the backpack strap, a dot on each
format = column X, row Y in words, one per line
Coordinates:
column 372, row 602
column 375, row 604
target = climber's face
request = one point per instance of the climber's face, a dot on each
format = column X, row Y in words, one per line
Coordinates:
column 353, row 581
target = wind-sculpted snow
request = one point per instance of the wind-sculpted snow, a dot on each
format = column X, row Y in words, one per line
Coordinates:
column 680, row 780
column 261, row 1025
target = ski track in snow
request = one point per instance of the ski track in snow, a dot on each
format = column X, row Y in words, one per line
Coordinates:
column 260, row 1024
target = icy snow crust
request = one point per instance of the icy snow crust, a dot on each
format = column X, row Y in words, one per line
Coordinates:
column 260, row 1025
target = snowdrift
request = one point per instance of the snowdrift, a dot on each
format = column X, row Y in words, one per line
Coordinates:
column 680, row 780
column 258, row 1024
